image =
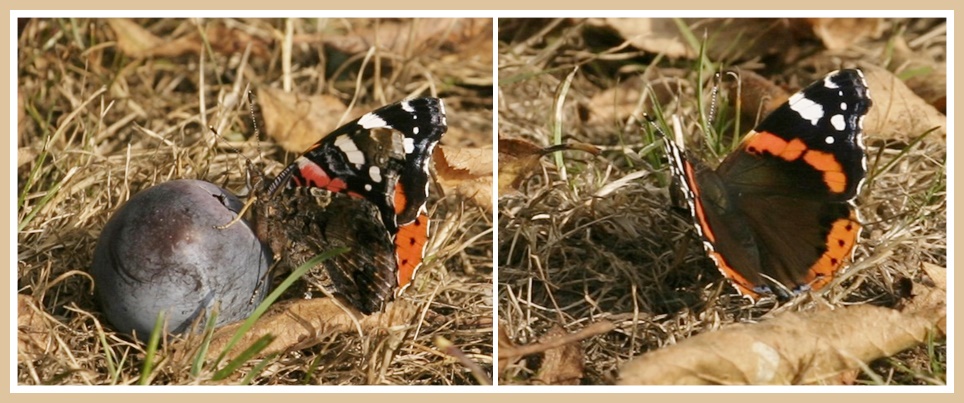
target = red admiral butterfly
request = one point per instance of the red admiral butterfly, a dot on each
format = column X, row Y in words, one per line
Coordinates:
column 381, row 160
column 777, row 215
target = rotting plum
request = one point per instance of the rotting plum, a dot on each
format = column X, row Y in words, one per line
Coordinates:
column 161, row 251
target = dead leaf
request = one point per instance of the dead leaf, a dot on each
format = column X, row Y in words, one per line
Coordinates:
column 519, row 158
column 926, row 297
column 415, row 35
column 296, row 121
column 841, row 33
column 510, row 353
column 562, row 365
column 794, row 348
column 298, row 324
column 758, row 37
column 618, row 102
column 898, row 113
column 25, row 155
column 656, row 35
column 132, row 39
column 33, row 329
column 466, row 171
column 758, row 95
column 929, row 78
column 135, row 41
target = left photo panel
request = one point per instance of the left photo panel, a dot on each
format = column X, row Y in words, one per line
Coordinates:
column 249, row 201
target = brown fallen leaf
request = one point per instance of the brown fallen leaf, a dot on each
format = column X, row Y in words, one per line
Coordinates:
column 296, row 121
column 619, row 102
column 510, row 353
column 137, row 42
column 467, row 171
column 898, row 113
column 298, row 324
column 415, row 35
column 758, row 37
column 25, row 155
column 794, row 348
column 758, row 95
column 519, row 158
column 841, row 33
column 132, row 39
column 657, row 35
column 929, row 80
column 33, row 328
column 562, row 365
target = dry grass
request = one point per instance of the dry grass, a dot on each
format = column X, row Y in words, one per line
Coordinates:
column 570, row 258
column 98, row 125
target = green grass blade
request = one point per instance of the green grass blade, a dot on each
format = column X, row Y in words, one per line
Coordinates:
column 151, row 352
column 245, row 355
column 271, row 298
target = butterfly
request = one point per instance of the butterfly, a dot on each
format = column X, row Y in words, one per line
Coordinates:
column 377, row 169
column 777, row 215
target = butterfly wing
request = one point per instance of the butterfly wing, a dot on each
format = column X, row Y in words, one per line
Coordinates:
column 382, row 157
column 777, row 214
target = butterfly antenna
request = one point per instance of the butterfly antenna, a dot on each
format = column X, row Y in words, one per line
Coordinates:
column 714, row 97
column 655, row 127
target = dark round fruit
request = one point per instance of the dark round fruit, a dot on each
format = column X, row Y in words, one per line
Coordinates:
column 161, row 252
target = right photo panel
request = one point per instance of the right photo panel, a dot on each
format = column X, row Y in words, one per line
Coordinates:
column 726, row 201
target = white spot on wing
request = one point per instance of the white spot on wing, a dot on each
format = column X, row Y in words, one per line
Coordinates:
column 368, row 187
column 441, row 109
column 843, row 106
column 409, row 144
column 375, row 173
column 407, row 107
column 838, row 122
column 415, row 130
column 829, row 140
column 348, row 146
column 828, row 80
column 807, row 109
column 372, row 121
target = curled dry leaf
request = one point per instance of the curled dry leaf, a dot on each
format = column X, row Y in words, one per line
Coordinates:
column 298, row 324
column 929, row 80
column 561, row 365
column 657, row 35
column 296, row 121
column 794, row 348
column 510, row 352
column 25, row 155
column 135, row 41
column 633, row 96
column 758, row 95
column 466, row 171
column 132, row 39
column 841, row 33
column 616, row 103
column 414, row 34
column 519, row 158
column 758, row 37
column 33, row 328
column 898, row 113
